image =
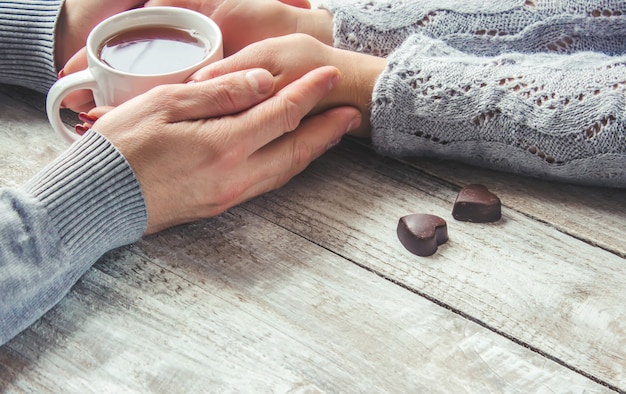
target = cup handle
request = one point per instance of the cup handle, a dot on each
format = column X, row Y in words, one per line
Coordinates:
column 81, row 80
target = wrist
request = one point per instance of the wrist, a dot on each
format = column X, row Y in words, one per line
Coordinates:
column 95, row 200
column 360, row 72
column 316, row 23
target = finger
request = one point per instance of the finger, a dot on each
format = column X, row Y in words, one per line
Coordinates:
column 246, row 58
column 77, row 62
column 90, row 118
column 271, row 55
column 297, row 3
column 94, row 114
column 283, row 112
column 227, row 65
column 278, row 162
column 115, row 7
column 80, row 100
column 98, row 112
column 85, row 106
column 205, row 7
column 225, row 95
column 131, row 4
column 170, row 3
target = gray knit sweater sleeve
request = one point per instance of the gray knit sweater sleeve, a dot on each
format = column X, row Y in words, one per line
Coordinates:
column 82, row 205
column 27, row 42
column 519, row 87
column 59, row 223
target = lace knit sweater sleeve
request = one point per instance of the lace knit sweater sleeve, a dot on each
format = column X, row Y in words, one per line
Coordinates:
column 378, row 27
column 524, row 88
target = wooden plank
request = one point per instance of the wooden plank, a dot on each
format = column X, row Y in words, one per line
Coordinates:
column 25, row 105
column 33, row 100
column 27, row 141
column 237, row 304
column 525, row 279
column 594, row 214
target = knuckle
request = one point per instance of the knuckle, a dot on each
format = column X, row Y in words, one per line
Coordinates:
column 166, row 98
column 222, row 96
column 301, row 154
column 302, row 38
column 230, row 193
column 163, row 92
column 291, row 114
column 231, row 156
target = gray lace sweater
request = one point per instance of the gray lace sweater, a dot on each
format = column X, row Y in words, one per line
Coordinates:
column 533, row 87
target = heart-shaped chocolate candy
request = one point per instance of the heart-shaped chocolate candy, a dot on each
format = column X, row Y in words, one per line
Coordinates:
column 475, row 203
column 422, row 233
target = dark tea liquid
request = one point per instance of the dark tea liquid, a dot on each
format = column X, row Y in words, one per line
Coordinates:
column 153, row 50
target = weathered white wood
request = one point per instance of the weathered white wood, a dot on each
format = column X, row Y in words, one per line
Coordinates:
column 596, row 215
column 518, row 276
column 26, row 141
column 236, row 304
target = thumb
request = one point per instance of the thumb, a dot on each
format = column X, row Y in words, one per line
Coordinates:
column 77, row 62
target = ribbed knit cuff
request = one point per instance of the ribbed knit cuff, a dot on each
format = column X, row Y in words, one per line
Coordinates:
column 27, row 42
column 92, row 196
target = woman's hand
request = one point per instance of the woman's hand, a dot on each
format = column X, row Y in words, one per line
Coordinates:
column 290, row 57
column 246, row 21
column 241, row 21
column 199, row 148
column 78, row 18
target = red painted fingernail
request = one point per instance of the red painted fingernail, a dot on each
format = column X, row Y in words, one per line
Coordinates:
column 85, row 117
column 61, row 73
column 80, row 129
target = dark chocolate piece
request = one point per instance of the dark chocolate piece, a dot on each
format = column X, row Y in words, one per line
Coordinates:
column 475, row 203
column 421, row 234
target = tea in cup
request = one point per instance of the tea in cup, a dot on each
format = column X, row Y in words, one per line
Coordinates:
column 134, row 51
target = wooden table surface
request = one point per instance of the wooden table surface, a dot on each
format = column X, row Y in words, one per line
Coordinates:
column 307, row 289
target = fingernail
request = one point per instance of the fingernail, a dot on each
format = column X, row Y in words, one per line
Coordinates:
column 85, row 117
column 332, row 144
column 354, row 123
column 261, row 80
column 191, row 81
column 61, row 73
column 80, row 129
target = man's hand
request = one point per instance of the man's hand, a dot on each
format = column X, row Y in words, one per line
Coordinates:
column 200, row 148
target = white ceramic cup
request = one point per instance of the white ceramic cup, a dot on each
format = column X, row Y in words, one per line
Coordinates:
column 112, row 87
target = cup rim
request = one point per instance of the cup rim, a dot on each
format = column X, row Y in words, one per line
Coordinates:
column 93, row 46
